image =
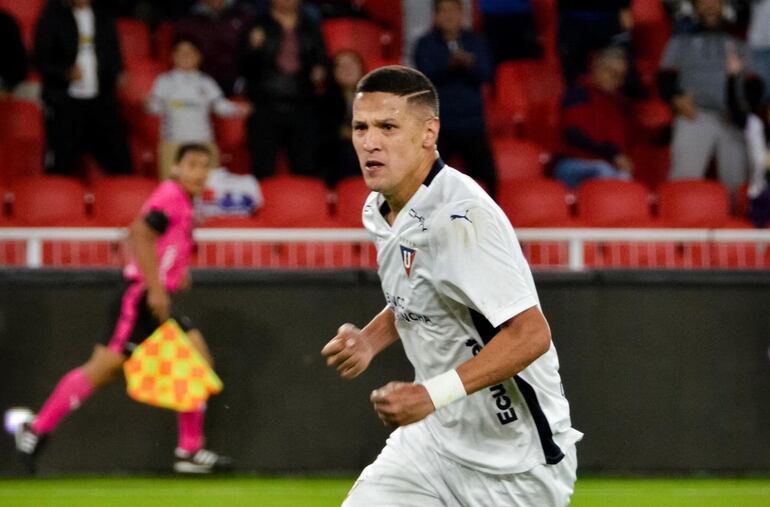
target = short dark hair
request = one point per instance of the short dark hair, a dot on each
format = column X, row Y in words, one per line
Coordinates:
column 184, row 39
column 402, row 81
column 191, row 148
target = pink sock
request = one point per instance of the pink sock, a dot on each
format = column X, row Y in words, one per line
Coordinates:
column 191, row 430
column 73, row 389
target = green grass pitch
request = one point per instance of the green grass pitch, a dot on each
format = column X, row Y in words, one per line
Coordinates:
column 291, row 492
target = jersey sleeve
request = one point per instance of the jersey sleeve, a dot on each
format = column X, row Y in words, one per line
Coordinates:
column 477, row 263
column 159, row 210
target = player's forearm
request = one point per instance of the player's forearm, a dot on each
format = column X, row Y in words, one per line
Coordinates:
column 520, row 341
column 141, row 240
column 381, row 332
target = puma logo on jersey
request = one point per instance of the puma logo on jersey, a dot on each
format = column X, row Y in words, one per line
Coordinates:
column 407, row 256
column 464, row 217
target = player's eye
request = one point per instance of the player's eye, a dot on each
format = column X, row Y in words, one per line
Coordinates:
column 388, row 127
column 359, row 127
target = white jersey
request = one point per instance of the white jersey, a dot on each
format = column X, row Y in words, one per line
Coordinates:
column 452, row 271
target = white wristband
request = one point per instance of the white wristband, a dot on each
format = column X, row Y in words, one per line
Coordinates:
column 445, row 388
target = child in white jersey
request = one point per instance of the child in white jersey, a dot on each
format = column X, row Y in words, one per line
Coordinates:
column 184, row 98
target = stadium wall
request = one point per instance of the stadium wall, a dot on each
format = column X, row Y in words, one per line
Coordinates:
column 667, row 372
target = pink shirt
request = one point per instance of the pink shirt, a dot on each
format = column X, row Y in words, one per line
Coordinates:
column 175, row 245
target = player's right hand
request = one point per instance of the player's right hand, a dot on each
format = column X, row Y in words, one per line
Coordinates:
column 159, row 303
column 348, row 352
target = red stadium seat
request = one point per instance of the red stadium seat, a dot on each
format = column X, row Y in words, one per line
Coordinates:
column 22, row 139
column 230, row 131
column 693, row 203
column 26, row 13
column 535, row 203
column 48, row 201
column 519, row 159
column 139, row 80
column 163, row 43
column 134, row 37
column 360, row 35
column 351, row 195
column 526, row 101
column 538, row 203
column 294, row 201
column 703, row 204
column 651, row 163
column 118, row 199
column 650, row 34
column 3, row 207
column 231, row 139
column 391, row 14
column 613, row 203
column 546, row 16
column 144, row 128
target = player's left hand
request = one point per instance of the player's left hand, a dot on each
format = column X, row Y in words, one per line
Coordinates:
column 401, row 403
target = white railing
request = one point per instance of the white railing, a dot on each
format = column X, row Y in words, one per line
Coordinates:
column 573, row 249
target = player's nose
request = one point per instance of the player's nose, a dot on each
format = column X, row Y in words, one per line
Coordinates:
column 371, row 140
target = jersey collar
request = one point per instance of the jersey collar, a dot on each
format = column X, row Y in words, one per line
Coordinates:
column 438, row 165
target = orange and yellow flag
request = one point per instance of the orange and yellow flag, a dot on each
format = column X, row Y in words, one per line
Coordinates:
column 166, row 371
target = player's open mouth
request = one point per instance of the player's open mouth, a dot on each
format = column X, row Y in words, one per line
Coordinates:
column 374, row 164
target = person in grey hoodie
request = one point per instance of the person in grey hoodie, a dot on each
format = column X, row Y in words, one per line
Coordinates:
column 705, row 77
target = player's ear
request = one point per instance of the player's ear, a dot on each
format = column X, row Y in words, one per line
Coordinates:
column 430, row 134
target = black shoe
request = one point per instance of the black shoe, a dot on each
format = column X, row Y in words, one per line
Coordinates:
column 28, row 444
column 201, row 461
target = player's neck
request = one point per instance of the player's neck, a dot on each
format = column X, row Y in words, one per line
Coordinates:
column 406, row 190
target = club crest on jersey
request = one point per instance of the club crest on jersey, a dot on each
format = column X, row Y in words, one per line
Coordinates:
column 407, row 256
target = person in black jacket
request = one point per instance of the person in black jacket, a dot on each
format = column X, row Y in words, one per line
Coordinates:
column 459, row 62
column 78, row 56
column 283, row 59
column 13, row 57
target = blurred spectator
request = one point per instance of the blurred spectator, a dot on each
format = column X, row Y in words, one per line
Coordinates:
column 509, row 26
column 595, row 123
column 588, row 25
column 459, row 63
column 13, row 57
column 682, row 12
column 702, row 76
column 184, row 98
column 215, row 26
column 759, row 42
column 283, row 58
column 337, row 158
column 418, row 19
column 78, row 56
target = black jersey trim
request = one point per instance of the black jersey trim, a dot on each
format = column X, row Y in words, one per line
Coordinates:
column 438, row 165
column 157, row 220
column 553, row 453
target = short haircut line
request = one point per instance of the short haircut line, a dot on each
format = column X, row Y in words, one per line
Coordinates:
column 403, row 82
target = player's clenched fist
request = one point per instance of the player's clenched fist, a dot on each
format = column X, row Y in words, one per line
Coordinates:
column 401, row 403
column 348, row 351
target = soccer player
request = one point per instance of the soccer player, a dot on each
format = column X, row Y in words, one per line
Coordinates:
column 161, row 244
column 486, row 421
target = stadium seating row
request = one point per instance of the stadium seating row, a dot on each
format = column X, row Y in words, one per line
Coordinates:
column 541, row 203
column 535, row 202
